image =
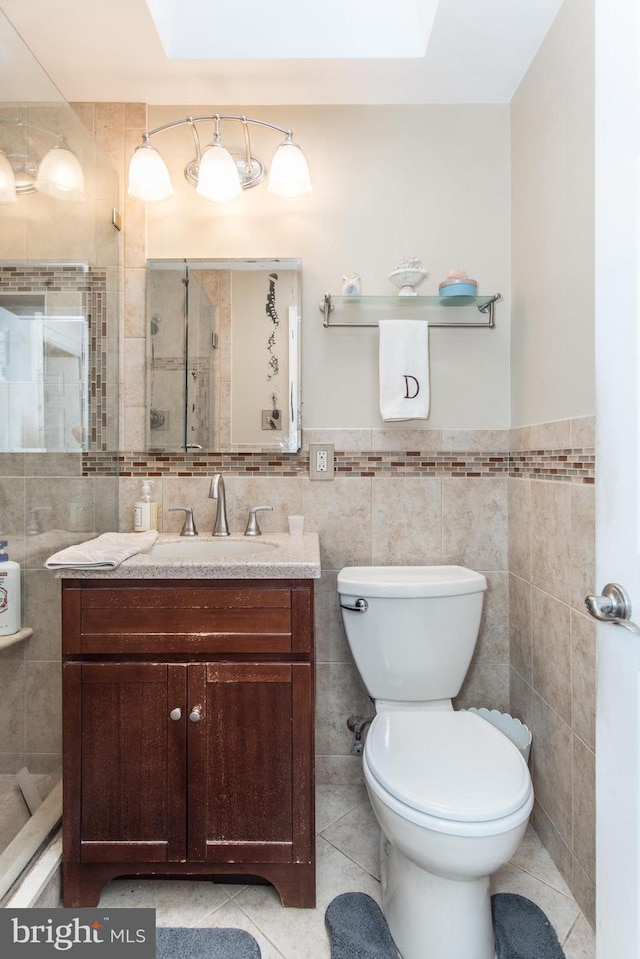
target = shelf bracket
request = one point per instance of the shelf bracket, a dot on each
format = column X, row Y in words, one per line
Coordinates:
column 488, row 308
column 326, row 307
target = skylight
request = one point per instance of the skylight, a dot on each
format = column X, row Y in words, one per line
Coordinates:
column 294, row 30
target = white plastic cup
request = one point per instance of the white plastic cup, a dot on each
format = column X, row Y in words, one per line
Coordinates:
column 296, row 525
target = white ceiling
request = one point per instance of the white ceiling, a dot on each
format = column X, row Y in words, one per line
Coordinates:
column 110, row 50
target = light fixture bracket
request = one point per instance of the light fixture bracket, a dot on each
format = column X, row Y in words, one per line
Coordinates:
column 25, row 169
column 251, row 171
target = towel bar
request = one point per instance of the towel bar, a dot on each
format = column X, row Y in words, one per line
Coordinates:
column 401, row 304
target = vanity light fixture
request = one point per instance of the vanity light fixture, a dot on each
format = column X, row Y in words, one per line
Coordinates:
column 58, row 174
column 219, row 174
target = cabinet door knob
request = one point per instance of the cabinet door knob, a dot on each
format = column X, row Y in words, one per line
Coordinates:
column 194, row 715
column 176, row 714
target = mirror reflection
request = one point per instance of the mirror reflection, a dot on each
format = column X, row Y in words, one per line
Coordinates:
column 223, row 355
column 58, row 359
column 42, row 372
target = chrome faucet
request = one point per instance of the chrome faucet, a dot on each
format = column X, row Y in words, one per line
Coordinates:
column 221, row 526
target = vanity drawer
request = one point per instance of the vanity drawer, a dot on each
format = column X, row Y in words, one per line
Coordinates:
column 186, row 617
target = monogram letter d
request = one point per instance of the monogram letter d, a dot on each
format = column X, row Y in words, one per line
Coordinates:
column 408, row 386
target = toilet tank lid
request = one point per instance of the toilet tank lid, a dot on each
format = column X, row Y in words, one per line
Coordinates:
column 406, row 581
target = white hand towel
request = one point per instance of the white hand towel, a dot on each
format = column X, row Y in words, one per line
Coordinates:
column 105, row 552
column 404, row 369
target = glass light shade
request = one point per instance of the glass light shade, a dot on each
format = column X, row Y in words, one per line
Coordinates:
column 148, row 175
column 7, row 181
column 60, row 175
column 218, row 177
column 289, row 174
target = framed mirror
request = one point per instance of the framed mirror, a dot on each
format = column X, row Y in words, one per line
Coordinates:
column 223, row 355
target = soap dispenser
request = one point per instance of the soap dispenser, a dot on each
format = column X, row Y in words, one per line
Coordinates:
column 145, row 511
column 10, row 614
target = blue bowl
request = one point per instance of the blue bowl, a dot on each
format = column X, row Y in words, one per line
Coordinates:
column 459, row 289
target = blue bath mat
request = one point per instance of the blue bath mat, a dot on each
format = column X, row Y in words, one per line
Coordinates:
column 358, row 930
column 522, row 930
column 201, row 942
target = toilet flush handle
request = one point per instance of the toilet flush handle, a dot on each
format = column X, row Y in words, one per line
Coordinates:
column 360, row 606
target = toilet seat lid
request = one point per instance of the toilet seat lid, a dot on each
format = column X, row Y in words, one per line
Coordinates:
column 451, row 765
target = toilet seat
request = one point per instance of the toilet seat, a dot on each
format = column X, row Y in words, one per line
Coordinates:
column 452, row 771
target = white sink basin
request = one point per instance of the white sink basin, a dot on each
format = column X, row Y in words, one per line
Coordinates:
column 209, row 549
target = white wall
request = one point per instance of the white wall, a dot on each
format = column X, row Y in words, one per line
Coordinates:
column 552, row 148
column 389, row 182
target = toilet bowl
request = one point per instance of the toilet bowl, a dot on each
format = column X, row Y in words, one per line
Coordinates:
column 451, row 793
column 453, row 796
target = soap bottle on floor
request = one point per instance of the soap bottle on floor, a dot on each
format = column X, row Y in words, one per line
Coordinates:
column 145, row 511
column 10, row 614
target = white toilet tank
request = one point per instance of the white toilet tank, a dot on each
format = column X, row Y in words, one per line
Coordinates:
column 416, row 638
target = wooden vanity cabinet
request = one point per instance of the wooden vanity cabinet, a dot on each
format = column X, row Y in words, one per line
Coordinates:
column 188, row 733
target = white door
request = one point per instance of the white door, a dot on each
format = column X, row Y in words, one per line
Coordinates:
column 618, row 471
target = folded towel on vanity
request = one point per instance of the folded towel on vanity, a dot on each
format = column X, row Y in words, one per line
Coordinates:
column 404, row 369
column 104, row 552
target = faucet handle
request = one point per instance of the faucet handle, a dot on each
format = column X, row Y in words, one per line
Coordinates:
column 252, row 525
column 189, row 526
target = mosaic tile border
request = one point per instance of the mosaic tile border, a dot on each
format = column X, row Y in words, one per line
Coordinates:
column 564, row 465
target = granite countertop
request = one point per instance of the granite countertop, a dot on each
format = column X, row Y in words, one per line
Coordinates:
column 270, row 556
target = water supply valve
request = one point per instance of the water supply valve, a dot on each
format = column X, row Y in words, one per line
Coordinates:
column 357, row 725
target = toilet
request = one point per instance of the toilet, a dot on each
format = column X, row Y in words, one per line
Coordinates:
column 452, row 794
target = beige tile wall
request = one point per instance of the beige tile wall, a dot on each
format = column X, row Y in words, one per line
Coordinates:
column 552, row 650
column 45, row 504
column 117, row 129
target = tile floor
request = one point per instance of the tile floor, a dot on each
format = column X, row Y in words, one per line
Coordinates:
column 347, row 861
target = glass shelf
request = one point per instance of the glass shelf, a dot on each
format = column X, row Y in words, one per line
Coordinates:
column 361, row 310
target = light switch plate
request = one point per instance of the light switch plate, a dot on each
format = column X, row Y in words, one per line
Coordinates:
column 321, row 465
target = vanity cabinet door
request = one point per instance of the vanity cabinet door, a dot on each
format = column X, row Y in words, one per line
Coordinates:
column 250, row 790
column 125, row 762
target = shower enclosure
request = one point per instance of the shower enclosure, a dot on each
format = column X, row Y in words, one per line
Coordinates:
column 182, row 340
column 60, row 279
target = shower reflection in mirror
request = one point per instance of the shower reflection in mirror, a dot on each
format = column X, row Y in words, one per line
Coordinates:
column 223, row 355
column 43, row 362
